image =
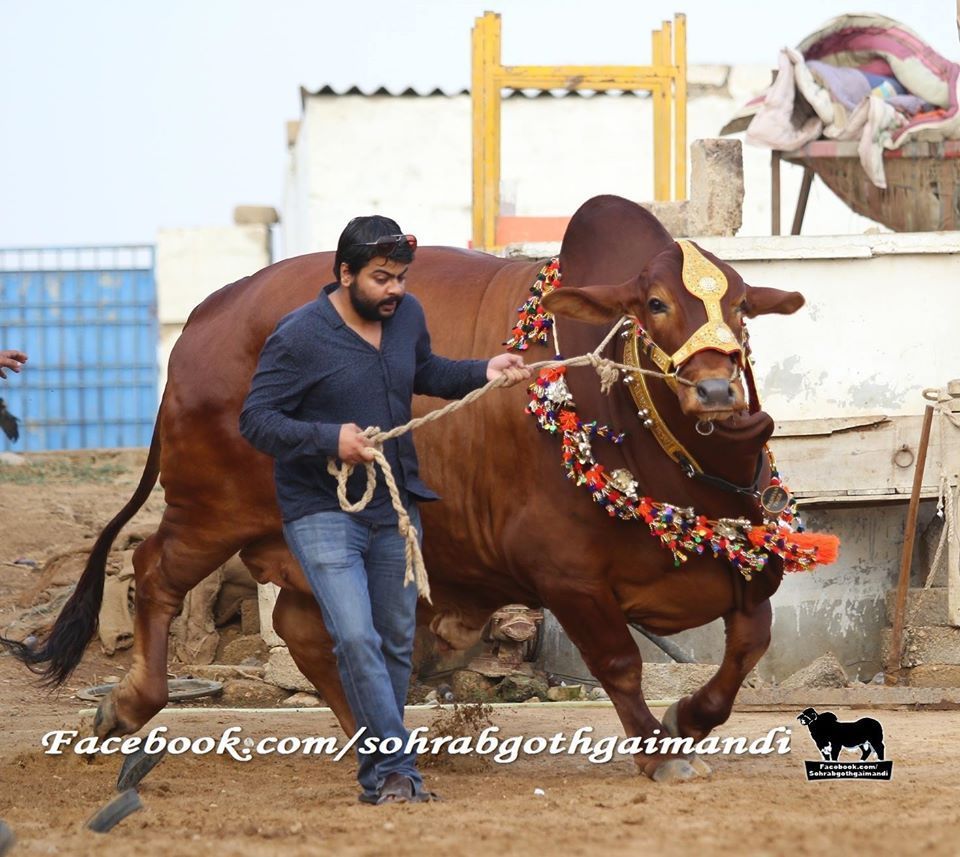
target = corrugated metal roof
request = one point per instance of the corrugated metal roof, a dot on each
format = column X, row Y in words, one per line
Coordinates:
column 424, row 92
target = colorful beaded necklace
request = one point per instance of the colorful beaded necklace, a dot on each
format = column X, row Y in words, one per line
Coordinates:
column 747, row 546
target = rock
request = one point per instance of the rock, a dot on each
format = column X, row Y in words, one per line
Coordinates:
column 252, row 693
column 12, row 459
column 282, row 671
column 534, row 699
column 565, row 692
column 519, row 688
column 672, row 681
column 716, row 175
column 250, row 616
column 430, row 697
column 417, row 693
column 267, row 599
column 242, row 648
column 930, row 675
column 825, row 671
column 469, row 686
column 248, row 215
column 597, row 693
column 301, row 700
column 219, row 672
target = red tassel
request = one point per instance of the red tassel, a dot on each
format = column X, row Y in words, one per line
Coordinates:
column 828, row 547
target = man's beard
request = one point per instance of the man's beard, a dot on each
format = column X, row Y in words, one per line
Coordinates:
column 372, row 310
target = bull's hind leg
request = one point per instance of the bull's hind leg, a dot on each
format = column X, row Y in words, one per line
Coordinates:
column 167, row 565
column 298, row 619
column 747, row 638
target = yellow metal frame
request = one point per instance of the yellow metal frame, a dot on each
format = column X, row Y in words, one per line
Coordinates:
column 665, row 79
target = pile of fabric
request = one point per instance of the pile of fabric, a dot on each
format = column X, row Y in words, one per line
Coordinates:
column 860, row 77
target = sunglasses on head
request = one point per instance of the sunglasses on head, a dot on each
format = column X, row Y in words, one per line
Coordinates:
column 389, row 243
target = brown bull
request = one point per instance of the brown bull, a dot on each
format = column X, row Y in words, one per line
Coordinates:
column 511, row 528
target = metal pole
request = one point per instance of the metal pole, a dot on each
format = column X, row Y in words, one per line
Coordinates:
column 903, row 584
column 680, row 106
column 802, row 201
column 774, row 192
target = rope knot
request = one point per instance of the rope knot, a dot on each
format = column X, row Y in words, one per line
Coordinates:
column 606, row 369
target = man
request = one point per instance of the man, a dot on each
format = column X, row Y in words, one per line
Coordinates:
column 351, row 359
column 11, row 359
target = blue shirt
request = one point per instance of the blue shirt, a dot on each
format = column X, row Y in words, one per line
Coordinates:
column 316, row 373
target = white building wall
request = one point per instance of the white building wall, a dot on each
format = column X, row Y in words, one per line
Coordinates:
column 879, row 324
column 193, row 263
column 410, row 157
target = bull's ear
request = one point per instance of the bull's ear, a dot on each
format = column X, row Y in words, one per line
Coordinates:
column 763, row 301
column 592, row 304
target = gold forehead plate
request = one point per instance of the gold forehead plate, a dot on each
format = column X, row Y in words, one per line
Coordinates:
column 705, row 281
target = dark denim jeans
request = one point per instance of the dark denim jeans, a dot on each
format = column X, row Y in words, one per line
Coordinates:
column 356, row 572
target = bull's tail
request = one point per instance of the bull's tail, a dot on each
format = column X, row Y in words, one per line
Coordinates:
column 56, row 657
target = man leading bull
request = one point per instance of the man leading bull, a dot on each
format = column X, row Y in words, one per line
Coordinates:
column 352, row 358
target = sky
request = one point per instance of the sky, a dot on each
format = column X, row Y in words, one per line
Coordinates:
column 119, row 118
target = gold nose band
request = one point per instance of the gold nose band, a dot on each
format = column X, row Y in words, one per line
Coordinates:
column 705, row 281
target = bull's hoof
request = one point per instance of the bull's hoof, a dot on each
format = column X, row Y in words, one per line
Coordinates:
column 6, row 838
column 701, row 767
column 106, row 722
column 136, row 766
column 114, row 812
column 671, row 720
column 105, row 719
column 674, row 771
column 671, row 725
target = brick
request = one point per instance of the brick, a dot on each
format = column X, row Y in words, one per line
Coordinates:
column 928, row 644
column 924, row 606
column 931, row 675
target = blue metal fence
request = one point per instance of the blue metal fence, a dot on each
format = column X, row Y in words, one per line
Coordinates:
column 87, row 318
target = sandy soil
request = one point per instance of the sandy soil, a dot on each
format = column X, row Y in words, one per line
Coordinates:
column 212, row 805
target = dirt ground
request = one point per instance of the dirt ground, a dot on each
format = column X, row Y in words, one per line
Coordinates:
column 293, row 805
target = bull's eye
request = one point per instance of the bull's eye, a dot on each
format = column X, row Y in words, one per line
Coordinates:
column 655, row 305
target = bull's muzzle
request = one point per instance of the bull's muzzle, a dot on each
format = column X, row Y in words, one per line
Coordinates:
column 716, row 393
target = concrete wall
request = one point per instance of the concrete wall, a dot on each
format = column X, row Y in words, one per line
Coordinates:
column 878, row 326
column 193, row 263
column 410, row 157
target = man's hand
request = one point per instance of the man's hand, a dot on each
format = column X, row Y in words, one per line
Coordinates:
column 354, row 448
column 509, row 366
column 11, row 359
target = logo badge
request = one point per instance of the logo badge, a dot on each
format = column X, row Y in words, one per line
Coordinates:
column 832, row 736
column 774, row 499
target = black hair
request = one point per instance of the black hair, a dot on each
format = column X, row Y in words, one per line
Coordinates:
column 360, row 231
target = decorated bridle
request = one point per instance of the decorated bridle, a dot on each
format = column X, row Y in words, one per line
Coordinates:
column 708, row 283
column 705, row 281
column 681, row 530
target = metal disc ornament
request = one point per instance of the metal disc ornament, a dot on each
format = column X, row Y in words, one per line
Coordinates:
column 774, row 499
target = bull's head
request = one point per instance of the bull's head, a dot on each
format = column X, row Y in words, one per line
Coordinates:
column 691, row 308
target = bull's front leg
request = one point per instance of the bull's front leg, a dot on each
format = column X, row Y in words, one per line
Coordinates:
column 595, row 624
column 747, row 638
